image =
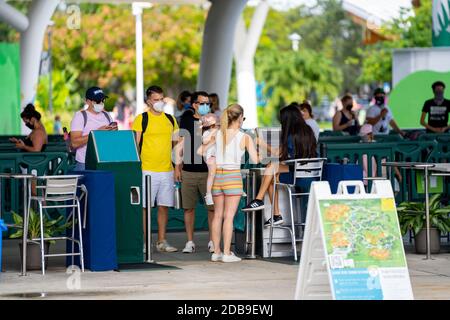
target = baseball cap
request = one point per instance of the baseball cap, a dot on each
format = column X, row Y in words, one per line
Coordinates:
column 379, row 91
column 95, row 94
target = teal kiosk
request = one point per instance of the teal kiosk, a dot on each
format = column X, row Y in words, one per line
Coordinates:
column 116, row 151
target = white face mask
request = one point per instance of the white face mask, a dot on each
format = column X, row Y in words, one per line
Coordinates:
column 159, row 106
column 98, row 107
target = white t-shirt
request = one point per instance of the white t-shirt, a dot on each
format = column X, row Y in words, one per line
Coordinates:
column 314, row 126
column 382, row 126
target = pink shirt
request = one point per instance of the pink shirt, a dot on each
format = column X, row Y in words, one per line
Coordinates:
column 94, row 121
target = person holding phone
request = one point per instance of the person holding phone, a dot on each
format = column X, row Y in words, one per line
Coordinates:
column 36, row 141
column 85, row 121
column 346, row 120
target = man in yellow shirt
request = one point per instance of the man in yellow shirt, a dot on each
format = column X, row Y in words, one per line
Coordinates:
column 156, row 133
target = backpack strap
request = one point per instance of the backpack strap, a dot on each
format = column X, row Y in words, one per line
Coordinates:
column 84, row 113
column 144, row 128
column 172, row 121
column 107, row 116
column 85, row 117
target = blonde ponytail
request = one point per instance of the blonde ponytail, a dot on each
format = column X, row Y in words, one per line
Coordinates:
column 229, row 115
column 224, row 127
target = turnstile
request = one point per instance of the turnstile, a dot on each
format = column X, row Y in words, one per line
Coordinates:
column 116, row 151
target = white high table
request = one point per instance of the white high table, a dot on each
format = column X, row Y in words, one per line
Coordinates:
column 436, row 169
column 26, row 192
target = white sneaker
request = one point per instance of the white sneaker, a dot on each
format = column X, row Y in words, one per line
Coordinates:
column 211, row 246
column 217, row 257
column 164, row 246
column 209, row 199
column 189, row 248
column 230, row 258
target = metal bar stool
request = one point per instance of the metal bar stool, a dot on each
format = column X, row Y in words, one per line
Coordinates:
column 303, row 169
column 58, row 192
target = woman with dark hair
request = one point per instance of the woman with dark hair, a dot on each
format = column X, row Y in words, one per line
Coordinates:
column 297, row 141
column 215, row 104
column 346, row 120
column 183, row 103
column 36, row 141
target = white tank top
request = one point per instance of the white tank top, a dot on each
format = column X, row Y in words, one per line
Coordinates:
column 231, row 158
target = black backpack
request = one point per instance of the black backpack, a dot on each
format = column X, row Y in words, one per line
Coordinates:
column 145, row 124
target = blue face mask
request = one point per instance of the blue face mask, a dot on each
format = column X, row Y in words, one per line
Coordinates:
column 186, row 105
column 204, row 109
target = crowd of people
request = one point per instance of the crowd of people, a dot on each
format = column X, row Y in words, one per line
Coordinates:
column 380, row 120
column 193, row 141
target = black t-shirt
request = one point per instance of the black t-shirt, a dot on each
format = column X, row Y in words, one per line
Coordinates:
column 192, row 162
column 437, row 114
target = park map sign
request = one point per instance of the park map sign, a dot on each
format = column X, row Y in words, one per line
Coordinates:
column 353, row 248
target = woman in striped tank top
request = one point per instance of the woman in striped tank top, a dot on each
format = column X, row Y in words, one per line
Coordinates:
column 231, row 144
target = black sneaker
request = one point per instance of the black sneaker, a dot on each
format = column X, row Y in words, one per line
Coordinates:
column 276, row 221
column 255, row 205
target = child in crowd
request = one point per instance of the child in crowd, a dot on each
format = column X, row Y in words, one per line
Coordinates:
column 366, row 134
column 209, row 126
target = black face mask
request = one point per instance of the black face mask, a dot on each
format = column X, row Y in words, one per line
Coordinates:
column 349, row 107
column 30, row 126
column 379, row 101
column 439, row 95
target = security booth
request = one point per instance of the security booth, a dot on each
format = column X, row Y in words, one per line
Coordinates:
column 117, row 152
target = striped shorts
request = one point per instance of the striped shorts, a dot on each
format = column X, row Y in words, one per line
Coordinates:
column 227, row 183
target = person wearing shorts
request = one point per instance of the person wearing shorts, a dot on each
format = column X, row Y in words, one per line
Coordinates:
column 191, row 169
column 231, row 144
column 156, row 139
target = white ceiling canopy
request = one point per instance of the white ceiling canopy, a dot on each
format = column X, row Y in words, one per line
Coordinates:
column 377, row 12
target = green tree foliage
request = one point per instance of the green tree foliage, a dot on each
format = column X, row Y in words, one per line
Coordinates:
column 103, row 49
column 408, row 31
column 292, row 76
column 326, row 64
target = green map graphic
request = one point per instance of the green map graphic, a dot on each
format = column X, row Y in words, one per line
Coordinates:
column 365, row 231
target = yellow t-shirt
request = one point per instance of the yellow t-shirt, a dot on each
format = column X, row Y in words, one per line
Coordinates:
column 156, row 154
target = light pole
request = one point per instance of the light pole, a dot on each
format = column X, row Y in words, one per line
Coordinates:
column 295, row 38
column 138, row 7
column 50, row 67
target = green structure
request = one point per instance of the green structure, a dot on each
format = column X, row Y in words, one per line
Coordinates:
column 10, row 88
column 407, row 98
column 117, row 152
column 441, row 23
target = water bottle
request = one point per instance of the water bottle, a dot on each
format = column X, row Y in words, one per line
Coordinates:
column 178, row 195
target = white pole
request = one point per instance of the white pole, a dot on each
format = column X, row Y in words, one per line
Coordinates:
column 13, row 17
column 137, row 12
column 245, row 45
